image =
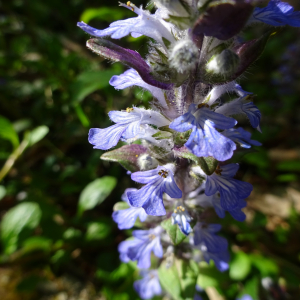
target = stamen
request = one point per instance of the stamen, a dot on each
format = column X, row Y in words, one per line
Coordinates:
column 151, row 237
column 218, row 170
column 203, row 105
column 179, row 209
column 129, row 109
column 163, row 173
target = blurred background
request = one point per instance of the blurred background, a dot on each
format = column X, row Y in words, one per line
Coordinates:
column 58, row 241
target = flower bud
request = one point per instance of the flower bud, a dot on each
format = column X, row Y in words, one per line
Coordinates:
column 184, row 56
column 147, row 162
column 173, row 6
column 224, row 63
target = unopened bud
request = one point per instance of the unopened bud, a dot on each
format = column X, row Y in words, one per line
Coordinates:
column 147, row 162
column 173, row 6
column 224, row 63
column 184, row 56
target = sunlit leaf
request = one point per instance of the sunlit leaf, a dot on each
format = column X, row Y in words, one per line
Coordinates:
column 240, row 266
column 38, row 134
column 2, row 191
column 24, row 215
column 104, row 13
column 97, row 231
column 8, row 132
column 96, row 192
column 173, row 231
column 89, row 82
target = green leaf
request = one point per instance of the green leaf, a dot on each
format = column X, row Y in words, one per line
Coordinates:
column 95, row 193
column 160, row 135
column 173, row 231
column 179, row 280
column 209, row 276
column 24, row 215
column 8, row 132
column 2, row 192
column 251, row 288
column 127, row 156
column 89, row 82
column 208, row 164
column 188, row 272
column 290, row 166
column 98, row 230
column 170, row 281
column 38, row 134
column 72, row 233
column 265, row 265
column 37, row 243
column 120, row 206
column 240, row 266
column 104, row 13
column 81, row 115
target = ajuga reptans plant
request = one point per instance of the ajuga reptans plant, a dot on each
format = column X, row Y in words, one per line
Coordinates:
column 182, row 152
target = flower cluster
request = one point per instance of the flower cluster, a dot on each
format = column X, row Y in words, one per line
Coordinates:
column 181, row 151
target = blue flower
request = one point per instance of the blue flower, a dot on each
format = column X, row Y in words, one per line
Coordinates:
column 231, row 190
column 245, row 297
column 158, row 181
column 214, row 201
column 181, row 217
column 239, row 106
column 276, row 13
column 131, row 77
column 204, row 235
column 126, row 218
column 129, row 123
column 149, row 285
column 205, row 140
column 241, row 136
column 152, row 26
column 220, row 259
column 139, row 249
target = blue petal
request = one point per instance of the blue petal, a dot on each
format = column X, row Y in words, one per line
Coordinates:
column 116, row 29
column 229, row 170
column 146, row 176
column 150, row 198
column 157, row 248
column 252, row 113
column 209, row 142
column 107, row 138
column 126, row 218
column 211, row 186
column 218, row 120
column 277, row 13
column 241, row 136
column 123, row 117
column 220, row 259
column 183, row 123
column 171, row 188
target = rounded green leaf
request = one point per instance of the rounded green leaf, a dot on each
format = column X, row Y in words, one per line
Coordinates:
column 96, row 192
column 38, row 134
column 8, row 132
column 2, row 191
column 240, row 266
column 25, row 215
